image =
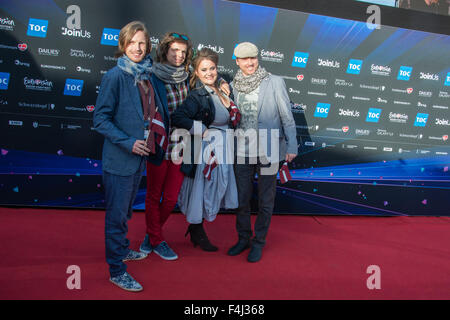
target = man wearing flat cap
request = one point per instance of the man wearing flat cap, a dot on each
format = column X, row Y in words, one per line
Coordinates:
column 265, row 109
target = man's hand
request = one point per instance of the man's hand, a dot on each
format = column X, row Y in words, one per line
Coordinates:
column 290, row 157
column 140, row 148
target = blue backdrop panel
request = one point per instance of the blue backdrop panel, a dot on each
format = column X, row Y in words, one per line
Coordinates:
column 371, row 105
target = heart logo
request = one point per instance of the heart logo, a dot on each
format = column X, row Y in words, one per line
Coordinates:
column 345, row 129
column 90, row 108
column 409, row 90
column 445, row 137
column 22, row 46
column 300, row 77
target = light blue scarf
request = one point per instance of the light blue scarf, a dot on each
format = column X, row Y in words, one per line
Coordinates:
column 140, row 71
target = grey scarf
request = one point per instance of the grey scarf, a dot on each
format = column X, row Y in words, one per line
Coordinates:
column 247, row 84
column 170, row 74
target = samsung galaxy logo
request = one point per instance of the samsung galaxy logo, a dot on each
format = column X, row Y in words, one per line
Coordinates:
column 444, row 94
column 81, row 54
column 343, row 83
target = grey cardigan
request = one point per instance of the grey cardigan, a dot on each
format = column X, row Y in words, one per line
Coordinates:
column 274, row 112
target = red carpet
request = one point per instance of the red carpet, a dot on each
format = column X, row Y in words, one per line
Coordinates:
column 306, row 257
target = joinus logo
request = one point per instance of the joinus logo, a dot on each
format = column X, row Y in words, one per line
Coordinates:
column 110, row 37
column 37, row 28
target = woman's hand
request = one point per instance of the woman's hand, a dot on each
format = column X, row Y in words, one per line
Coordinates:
column 225, row 87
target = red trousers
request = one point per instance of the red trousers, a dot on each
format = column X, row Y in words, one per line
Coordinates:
column 163, row 185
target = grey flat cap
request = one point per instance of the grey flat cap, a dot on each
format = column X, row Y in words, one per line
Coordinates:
column 246, row 50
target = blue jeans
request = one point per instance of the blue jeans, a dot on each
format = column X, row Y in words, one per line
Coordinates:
column 120, row 193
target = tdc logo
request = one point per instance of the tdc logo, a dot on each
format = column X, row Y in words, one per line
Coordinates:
column 73, row 87
column 421, row 120
column 300, row 59
column 447, row 80
column 4, row 80
column 322, row 110
column 373, row 115
column 37, row 28
column 354, row 66
column 110, row 37
column 404, row 73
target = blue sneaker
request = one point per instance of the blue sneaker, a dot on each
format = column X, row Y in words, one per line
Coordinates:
column 146, row 247
column 126, row 282
column 134, row 255
column 163, row 250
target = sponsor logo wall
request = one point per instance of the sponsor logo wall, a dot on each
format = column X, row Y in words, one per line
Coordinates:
column 347, row 97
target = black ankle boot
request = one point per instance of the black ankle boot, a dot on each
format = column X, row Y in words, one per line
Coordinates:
column 199, row 237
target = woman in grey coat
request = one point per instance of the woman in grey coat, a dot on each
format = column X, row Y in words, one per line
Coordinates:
column 210, row 183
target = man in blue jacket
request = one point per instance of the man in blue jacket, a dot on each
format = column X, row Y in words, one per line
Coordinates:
column 265, row 110
column 124, row 103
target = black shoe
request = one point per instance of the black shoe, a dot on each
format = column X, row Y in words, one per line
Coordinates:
column 199, row 237
column 255, row 254
column 239, row 247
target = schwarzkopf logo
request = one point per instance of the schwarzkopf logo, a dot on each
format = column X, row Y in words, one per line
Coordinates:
column 75, row 33
column 272, row 56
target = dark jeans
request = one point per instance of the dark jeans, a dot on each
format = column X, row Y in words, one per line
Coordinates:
column 120, row 193
column 245, row 175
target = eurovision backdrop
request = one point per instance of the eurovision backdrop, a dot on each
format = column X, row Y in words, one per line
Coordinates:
column 371, row 105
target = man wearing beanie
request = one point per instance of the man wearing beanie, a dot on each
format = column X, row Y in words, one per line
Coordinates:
column 264, row 104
